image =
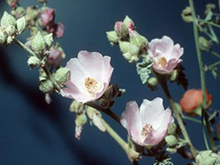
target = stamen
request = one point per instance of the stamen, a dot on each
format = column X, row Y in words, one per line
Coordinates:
column 162, row 62
column 91, row 85
column 146, row 130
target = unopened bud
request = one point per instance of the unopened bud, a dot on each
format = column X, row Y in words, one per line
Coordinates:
column 46, row 86
column 49, row 40
column 137, row 39
column 33, row 62
column 204, row 43
column 130, row 51
column 81, row 119
column 121, row 29
column 38, row 43
column 171, row 140
column 2, row 37
column 187, row 15
column 62, row 75
column 21, row 25
column 7, row 19
column 174, row 75
column 10, row 30
column 152, row 83
column 129, row 23
column 112, row 37
column 171, row 150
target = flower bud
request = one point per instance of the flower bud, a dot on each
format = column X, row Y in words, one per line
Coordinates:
column 38, row 43
column 129, row 23
column 75, row 106
column 81, row 119
column 46, row 86
column 174, row 75
column 49, row 40
column 171, row 140
column 204, row 43
column 121, row 29
column 112, row 37
column 33, row 62
column 152, row 82
column 207, row 157
column 137, row 39
column 2, row 37
column 9, row 39
column 7, row 19
column 18, row 12
column 186, row 15
column 171, row 150
column 62, row 75
column 10, row 30
column 21, row 25
column 130, row 51
column 171, row 129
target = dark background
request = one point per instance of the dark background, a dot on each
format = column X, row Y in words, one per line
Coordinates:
column 33, row 133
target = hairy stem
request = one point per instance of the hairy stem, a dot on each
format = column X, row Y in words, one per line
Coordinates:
column 46, row 70
column 163, row 84
column 202, row 74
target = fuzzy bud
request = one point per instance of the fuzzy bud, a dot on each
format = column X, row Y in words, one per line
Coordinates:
column 112, row 37
column 204, row 43
column 174, row 75
column 137, row 39
column 121, row 29
column 46, row 86
column 38, row 43
column 171, row 140
column 171, row 129
column 152, row 82
column 49, row 40
column 21, row 25
column 62, row 75
column 2, row 37
column 186, row 15
column 130, row 51
column 7, row 19
column 33, row 62
column 10, row 30
column 129, row 23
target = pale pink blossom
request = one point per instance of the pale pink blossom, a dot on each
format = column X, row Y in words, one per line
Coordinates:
column 147, row 126
column 55, row 57
column 165, row 54
column 47, row 16
column 90, row 77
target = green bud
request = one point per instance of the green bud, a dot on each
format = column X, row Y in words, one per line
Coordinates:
column 62, row 75
column 130, row 51
column 38, row 43
column 75, row 106
column 186, row 15
column 171, row 150
column 128, row 22
column 33, row 31
column 9, row 39
column 81, row 119
column 7, row 19
column 171, row 129
column 138, row 40
column 10, row 30
column 171, row 140
column 152, row 82
column 90, row 112
column 2, row 37
column 46, row 86
column 207, row 158
column 21, row 25
column 123, row 32
column 49, row 39
column 33, row 62
column 204, row 43
column 174, row 75
column 112, row 37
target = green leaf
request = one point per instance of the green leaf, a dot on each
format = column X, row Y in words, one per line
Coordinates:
column 144, row 68
column 209, row 16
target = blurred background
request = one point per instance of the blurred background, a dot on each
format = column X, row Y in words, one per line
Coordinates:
column 32, row 132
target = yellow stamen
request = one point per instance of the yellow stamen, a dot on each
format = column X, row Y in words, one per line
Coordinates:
column 91, row 84
column 162, row 62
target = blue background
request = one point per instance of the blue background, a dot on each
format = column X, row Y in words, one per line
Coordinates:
column 32, row 132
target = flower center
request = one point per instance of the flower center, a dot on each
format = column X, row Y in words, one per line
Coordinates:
column 146, row 130
column 91, row 85
column 162, row 62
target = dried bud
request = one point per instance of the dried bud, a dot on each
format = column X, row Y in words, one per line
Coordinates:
column 129, row 23
column 7, row 20
column 38, row 43
column 62, row 75
column 33, row 62
column 47, row 16
column 21, row 25
column 112, row 37
column 172, row 129
column 204, row 43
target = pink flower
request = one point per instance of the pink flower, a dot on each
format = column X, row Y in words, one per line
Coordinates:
column 47, row 16
column 147, row 126
column 90, row 76
column 55, row 57
column 165, row 54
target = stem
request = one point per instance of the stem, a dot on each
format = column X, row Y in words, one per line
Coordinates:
column 108, row 111
column 202, row 74
column 219, row 5
column 210, row 23
column 214, row 65
column 215, row 54
column 177, row 115
column 46, row 70
column 132, row 154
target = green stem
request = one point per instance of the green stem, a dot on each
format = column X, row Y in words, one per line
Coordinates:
column 163, row 84
column 202, row 74
column 46, row 70
column 214, row 65
column 215, row 54
column 191, row 119
column 210, row 23
column 219, row 5
column 132, row 154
